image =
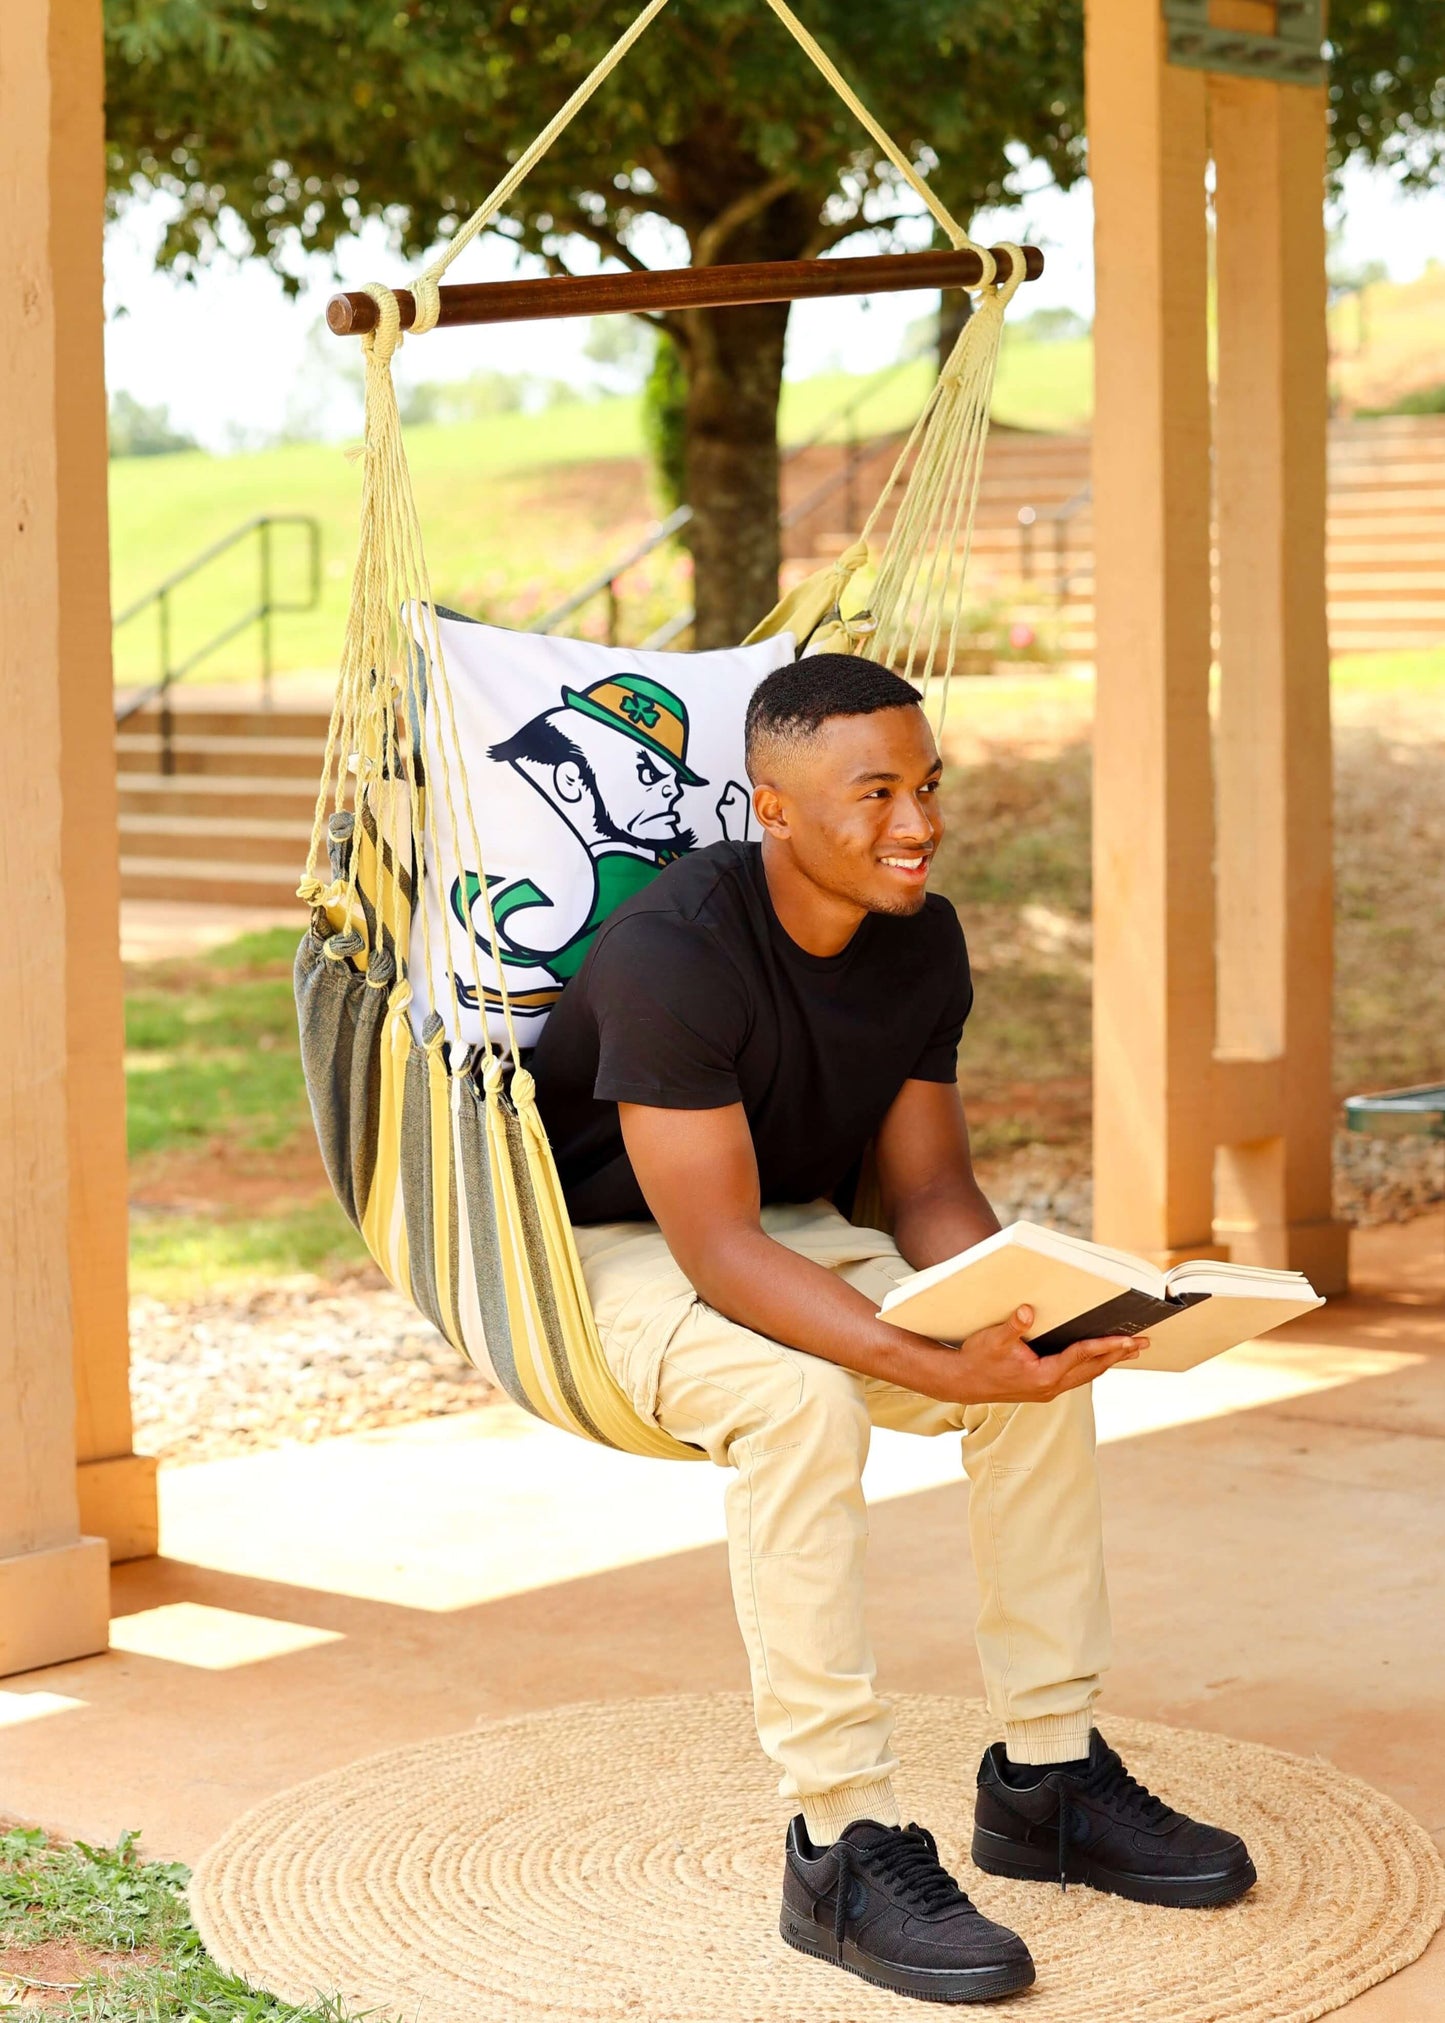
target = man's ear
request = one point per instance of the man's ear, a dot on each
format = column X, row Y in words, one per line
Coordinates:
column 568, row 783
column 771, row 811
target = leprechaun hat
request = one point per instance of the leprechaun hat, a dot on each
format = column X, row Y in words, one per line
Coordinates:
column 644, row 711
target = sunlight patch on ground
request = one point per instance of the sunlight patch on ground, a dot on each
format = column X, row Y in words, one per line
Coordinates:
column 450, row 1513
column 213, row 1640
column 18, row 1707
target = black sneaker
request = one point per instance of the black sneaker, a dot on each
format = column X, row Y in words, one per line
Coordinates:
column 1100, row 1826
column 880, row 1903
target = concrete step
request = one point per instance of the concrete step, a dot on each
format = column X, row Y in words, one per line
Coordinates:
column 1370, row 639
column 1351, row 555
column 217, row 884
column 255, row 724
column 1408, row 590
column 238, row 839
column 208, row 794
column 269, row 757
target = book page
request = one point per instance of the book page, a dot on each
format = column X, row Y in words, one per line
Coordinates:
column 1196, row 1333
column 986, row 1284
column 1243, row 1281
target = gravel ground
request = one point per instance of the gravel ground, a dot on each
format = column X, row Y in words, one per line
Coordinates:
column 301, row 1362
column 294, row 1361
column 1376, row 1180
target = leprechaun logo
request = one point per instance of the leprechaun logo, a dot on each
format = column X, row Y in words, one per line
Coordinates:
column 612, row 761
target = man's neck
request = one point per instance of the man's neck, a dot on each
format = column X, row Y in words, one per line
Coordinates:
column 820, row 922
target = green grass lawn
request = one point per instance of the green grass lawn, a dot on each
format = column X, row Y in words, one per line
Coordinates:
column 211, row 1050
column 510, row 531
column 226, row 1184
column 518, row 509
column 121, row 1927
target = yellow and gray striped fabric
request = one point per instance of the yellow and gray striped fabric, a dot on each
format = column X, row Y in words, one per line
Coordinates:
column 445, row 1168
column 445, row 1171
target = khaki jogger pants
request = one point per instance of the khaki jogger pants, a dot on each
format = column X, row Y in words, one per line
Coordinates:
column 795, row 1429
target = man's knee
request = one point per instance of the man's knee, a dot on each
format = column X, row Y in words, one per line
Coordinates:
column 1020, row 1434
column 824, row 1408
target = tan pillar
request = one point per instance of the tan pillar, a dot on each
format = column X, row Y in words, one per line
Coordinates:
column 53, row 1581
column 1275, row 1101
column 1153, row 818
column 117, row 1488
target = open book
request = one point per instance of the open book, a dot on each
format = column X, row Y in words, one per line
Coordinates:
column 1081, row 1290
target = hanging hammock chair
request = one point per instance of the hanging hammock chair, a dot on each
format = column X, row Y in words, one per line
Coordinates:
column 437, row 1151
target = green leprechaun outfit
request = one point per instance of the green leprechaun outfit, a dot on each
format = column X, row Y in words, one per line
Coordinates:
column 651, row 716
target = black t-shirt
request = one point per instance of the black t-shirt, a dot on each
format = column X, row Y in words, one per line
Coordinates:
column 693, row 997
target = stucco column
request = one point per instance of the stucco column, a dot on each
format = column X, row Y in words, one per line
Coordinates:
column 1275, row 1104
column 53, row 1581
column 1153, row 793
column 117, row 1488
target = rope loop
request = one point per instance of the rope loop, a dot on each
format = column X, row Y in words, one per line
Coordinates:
column 427, row 294
column 1011, row 282
column 383, row 342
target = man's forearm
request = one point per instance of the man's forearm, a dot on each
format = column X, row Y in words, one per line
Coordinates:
column 767, row 1287
column 930, row 1226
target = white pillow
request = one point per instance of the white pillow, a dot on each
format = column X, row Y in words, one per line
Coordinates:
column 590, row 768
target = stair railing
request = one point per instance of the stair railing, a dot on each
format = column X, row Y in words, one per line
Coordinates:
column 1059, row 518
column 267, row 606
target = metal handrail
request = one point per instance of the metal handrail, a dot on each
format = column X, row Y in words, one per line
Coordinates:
column 605, row 582
column 267, row 606
column 859, row 455
column 606, row 578
column 1060, row 518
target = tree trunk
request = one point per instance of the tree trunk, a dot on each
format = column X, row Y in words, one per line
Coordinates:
column 955, row 306
column 734, row 363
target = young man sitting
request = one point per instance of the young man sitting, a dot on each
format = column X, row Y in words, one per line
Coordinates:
column 739, row 1035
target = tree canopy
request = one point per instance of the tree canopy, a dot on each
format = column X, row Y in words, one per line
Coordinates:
column 307, row 116
column 310, row 115
column 301, row 118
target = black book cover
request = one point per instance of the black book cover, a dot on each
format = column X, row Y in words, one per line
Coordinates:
column 1129, row 1313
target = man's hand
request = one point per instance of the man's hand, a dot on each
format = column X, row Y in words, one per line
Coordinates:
column 699, row 1176
column 997, row 1364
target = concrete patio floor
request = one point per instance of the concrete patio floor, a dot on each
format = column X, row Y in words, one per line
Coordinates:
column 1276, row 1530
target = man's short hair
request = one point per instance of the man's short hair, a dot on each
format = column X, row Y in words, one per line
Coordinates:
column 791, row 705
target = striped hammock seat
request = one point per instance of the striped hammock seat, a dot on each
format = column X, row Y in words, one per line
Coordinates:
column 437, row 1151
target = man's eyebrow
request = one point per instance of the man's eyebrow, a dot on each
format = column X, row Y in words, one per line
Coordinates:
column 865, row 779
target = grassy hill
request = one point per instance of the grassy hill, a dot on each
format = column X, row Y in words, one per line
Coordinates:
column 518, row 509
column 1389, row 341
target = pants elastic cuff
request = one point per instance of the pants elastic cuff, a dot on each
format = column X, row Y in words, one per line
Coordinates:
column 827, row 1814
column 1052, row 1738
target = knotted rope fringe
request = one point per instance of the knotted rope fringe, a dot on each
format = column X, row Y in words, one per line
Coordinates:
column 921, row 577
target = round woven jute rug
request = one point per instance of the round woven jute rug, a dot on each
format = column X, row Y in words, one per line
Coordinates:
column 625, row 1860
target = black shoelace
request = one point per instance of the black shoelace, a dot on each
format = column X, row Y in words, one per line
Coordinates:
column 908, row 1861
column 1112, row 1785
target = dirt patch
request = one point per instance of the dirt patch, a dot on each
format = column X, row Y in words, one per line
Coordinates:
column 223, row 1178
column 610, row 495
column 41, row 1980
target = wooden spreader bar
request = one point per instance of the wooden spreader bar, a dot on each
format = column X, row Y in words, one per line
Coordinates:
column 352, row 313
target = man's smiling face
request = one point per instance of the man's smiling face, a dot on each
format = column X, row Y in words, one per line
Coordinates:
column 859, row 804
